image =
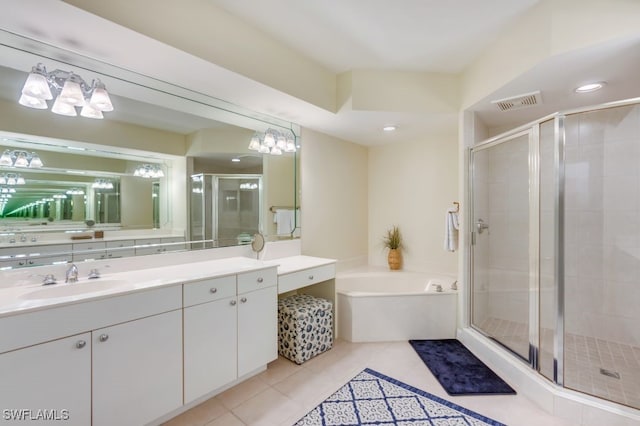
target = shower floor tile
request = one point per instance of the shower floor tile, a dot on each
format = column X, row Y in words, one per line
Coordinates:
column 584, row 358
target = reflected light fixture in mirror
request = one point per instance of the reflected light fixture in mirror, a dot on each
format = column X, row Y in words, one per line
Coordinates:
column 20, row 159
column 72, row 91
column 273, row 142
column 12, row 179
column 149, row 171
column 101, row 184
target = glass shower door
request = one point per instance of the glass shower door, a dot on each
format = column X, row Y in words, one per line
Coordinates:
column 500, row 281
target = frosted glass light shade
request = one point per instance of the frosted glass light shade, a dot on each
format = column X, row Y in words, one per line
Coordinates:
column 269, row 141
column 264, row 149
column 21, row 161
column 291, row 146
column 5, row 159
column 254, row 145
column 276, row 151
column 63, row 108
column 71, row 94
column 281, row 142
column 35, row 162
column 31, row 102
column 89, row 111
column 37, row 86
column 100, row 100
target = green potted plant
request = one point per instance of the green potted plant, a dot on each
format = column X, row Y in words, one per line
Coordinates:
column 393, row 241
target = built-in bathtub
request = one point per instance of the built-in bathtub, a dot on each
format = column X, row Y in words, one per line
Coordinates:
column 374, row 306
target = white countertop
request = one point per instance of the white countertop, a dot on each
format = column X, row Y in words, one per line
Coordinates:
column 288, row 265
column 18, row 245
column 17, row 299
column 22, row 295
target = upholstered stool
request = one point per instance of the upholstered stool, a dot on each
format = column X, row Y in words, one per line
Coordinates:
column 305, row 327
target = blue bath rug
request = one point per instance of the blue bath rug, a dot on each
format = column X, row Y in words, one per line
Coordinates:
column 458, row 370
column 372, row 398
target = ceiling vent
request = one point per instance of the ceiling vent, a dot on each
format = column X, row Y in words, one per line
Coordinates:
column 520, row 101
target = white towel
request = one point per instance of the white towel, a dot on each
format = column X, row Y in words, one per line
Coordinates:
column 284, row 220
column 451, row 230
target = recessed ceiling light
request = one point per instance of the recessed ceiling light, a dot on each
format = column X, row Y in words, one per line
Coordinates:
column 591, row 87
column 235, row 160
column 389, row 128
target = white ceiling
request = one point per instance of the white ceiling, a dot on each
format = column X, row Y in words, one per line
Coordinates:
column 408, row 35
column 418, row 35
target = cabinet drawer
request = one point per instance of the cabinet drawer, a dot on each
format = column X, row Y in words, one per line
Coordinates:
column 47, row 324
column 250, row 281
column 209, row 290
column 306, row 277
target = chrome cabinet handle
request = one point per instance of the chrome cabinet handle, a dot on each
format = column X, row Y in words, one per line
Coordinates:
column 213, row 290
column 243, row 300
column 232, row 303
column 260, row 280
column 81, row 344
column 103, row 337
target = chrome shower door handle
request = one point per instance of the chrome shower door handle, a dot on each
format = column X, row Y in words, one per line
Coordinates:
column 481, row 226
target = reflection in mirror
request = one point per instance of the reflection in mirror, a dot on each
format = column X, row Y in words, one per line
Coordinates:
column 185, row 132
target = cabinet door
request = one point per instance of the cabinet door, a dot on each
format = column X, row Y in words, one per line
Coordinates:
column 210, row 347
column 117, row 249
column 257, row 329
column 52, row 379
column 137, row 370
column 89, row 251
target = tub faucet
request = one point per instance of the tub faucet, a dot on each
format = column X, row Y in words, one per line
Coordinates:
column 72, row 274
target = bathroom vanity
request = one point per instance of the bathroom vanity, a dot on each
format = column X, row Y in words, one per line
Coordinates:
column 116, row 348
column 142, row 345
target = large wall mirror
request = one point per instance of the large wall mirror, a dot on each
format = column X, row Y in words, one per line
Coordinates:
column 212, row 188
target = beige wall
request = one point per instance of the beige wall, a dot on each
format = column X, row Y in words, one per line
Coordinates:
column 411, row 185
column 334, row 204
column 18, row 119
column 135, row 191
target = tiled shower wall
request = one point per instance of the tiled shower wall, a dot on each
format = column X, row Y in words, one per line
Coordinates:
column 602, row 224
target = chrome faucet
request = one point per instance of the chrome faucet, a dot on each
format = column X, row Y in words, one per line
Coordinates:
column 72, row 274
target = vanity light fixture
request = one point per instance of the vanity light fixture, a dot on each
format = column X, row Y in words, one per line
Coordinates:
column 17, row 158
column 7, row 190
column 149, row 171
column 590, row 87
column 75, row 191
column 12, row 179
column 99, row 184
column 71, row 90
column 273, row 142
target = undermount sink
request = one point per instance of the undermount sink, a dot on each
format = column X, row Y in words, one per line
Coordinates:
column 74, row 289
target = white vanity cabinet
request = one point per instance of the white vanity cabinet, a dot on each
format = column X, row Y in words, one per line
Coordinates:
column 137, row 370
column 89, row 250
column 257, row 319
column 51, row 379
column 230, row 329
column 210, row 336
column 118, row 249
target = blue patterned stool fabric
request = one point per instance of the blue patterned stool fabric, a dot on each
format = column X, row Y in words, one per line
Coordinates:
column 305, row 327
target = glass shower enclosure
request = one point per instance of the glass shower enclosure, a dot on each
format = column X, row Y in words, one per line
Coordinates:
column 225, row 209
column 555, row 247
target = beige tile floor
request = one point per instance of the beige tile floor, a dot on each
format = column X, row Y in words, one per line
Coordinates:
column 285, row 391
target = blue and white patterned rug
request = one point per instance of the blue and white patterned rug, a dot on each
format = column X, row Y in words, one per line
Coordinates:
column 372, row 398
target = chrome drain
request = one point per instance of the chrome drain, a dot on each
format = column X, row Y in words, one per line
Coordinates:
column 610, row 373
